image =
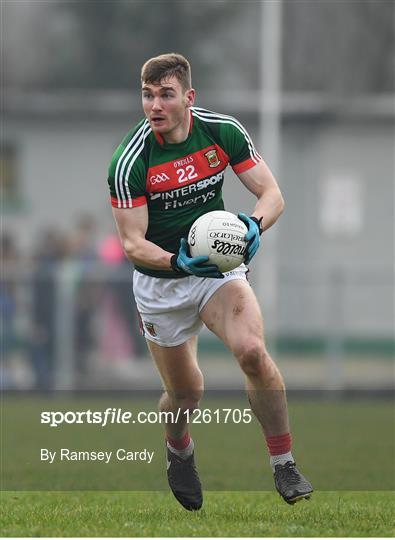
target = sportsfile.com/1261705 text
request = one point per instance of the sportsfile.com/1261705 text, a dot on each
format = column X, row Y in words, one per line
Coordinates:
column 113, row 415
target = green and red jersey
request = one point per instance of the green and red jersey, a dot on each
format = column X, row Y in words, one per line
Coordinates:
column 178, row 182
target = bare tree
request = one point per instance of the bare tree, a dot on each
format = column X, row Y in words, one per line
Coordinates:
column 338, row 46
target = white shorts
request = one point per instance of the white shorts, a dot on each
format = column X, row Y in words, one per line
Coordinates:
column 169, row 308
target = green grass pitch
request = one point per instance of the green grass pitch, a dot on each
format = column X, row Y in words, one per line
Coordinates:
column 224, row 514
column 344, row 447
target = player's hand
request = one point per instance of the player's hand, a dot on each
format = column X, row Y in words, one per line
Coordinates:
column 253, row 235
column 184, row 263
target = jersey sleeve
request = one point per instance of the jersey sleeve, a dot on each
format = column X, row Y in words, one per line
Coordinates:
column 238, row 145
column 127, row 173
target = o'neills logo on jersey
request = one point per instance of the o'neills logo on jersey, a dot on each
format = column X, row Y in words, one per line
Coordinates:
column 212, row 158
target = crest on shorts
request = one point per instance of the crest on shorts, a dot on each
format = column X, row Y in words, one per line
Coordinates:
column 212, row 158
column 149, row 326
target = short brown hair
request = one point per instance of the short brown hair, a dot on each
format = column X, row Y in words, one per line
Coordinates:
column 167, row 65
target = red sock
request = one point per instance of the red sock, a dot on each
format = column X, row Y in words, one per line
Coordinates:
column 279, row 444
column 180, row 444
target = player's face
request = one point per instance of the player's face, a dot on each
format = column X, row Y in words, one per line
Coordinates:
column 166, row 106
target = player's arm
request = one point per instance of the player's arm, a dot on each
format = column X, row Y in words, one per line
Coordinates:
column 257, row 178
column 261, row 182
column 132, row 224
column 270, row 204
column 252, row 171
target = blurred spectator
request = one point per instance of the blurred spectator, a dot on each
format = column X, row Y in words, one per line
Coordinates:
column 104, row 315
column 8, row 333
column 83, row 241
column 121, row 339
column 51, row 250
column 83, row 247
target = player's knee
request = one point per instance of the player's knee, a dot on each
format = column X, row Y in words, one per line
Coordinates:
column 252, row 357
column 186, row 400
